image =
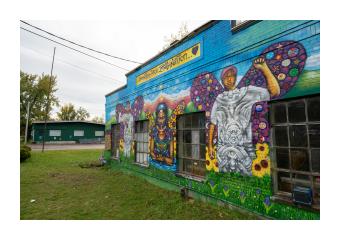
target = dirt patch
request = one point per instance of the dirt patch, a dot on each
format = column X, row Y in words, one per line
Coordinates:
column 91, row 165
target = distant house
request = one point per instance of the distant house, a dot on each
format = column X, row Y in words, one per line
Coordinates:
column 68, row 132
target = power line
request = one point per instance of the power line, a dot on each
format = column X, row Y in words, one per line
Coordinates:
column 136, row 92
column 78, row 67
column 91, row 49
column 99, row 59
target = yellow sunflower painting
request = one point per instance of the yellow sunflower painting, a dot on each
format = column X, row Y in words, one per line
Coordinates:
column 211, row 163
column 262, row 150
column 261, row 167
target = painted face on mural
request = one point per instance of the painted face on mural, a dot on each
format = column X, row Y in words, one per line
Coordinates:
column 128, row 106
column 161, row 114
column 161, row 117
column 161, row 120
column 229, row 78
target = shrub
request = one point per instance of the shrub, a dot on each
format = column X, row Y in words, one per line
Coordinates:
column 25, row 153
column 26, row 147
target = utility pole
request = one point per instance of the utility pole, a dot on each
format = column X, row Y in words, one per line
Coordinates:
column 28, row 114
column 48, row 102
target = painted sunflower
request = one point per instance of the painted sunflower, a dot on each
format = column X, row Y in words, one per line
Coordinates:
column 261, row 167
column 211, row 164
column 262, row 150
column 179, row 109
column 121, row 144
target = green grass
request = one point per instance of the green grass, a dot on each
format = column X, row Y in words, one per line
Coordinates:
column 308, row 83
column 63, row 190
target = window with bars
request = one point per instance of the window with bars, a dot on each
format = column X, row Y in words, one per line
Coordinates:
column 191, row 144
column 295, row 134
column 142, row 142
column 115, row 140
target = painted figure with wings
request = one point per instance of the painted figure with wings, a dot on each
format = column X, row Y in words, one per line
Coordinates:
column 126, row 116
column 229, row 108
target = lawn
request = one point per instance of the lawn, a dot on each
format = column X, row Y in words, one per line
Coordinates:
column 54, row 186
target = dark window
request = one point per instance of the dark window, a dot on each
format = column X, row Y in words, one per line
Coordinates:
column 295, row 135
column 296, row 111
column 142, row 142
column 115, row 140
column 237, row 25
column 191, row 144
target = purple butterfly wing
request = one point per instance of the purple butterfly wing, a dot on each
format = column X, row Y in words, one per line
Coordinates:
column 285, row 59
column 137, row 107
column 204, row 90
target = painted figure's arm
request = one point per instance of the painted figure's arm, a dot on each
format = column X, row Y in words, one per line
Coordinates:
column 152, row 142
column 272, row 84
column 210, row 140
column 169, row 160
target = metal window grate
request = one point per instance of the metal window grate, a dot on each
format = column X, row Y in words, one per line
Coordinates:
column 142, row 142
column 191, row 144
column 115, row 140
column 295, row 145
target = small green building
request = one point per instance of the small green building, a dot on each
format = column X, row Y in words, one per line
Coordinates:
column 68, row 132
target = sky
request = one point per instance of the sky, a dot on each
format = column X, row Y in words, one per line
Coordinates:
column 84, row 81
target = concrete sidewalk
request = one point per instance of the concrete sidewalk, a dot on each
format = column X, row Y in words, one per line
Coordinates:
column 38, row 147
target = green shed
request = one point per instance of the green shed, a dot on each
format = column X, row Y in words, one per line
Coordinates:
column 68, row 132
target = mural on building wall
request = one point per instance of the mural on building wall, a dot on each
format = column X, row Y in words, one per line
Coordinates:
column 162, row 142
column 126, row 116
column 230, row 109
column 237, row 129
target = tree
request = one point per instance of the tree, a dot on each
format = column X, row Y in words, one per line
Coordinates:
column 34, row 90
column 82, row 114
column 97, row 119
column 69, row 113
column 182, row 32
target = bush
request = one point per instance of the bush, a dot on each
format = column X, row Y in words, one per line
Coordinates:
column 26, row 147
column 25, row 153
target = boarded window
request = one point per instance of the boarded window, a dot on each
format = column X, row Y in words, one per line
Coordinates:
column 78, row 133
column 99, row 133
column 55, row 133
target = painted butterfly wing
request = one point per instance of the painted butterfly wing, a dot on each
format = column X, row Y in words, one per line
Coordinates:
column 120, row 109
column 137, row 107
column 285, row 59
column 204, row 91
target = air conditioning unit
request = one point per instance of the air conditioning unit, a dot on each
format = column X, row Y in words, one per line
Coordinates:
column 302, row 195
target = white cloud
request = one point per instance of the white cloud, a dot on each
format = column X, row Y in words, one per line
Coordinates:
column 313, row 61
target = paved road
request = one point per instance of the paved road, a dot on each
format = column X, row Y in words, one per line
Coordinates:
column 38, row 147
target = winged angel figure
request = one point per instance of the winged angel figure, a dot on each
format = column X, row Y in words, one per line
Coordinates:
column 126, row 116
column 236, row 113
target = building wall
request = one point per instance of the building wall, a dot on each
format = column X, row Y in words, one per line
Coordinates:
column 273, row 60
column 67, row 131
